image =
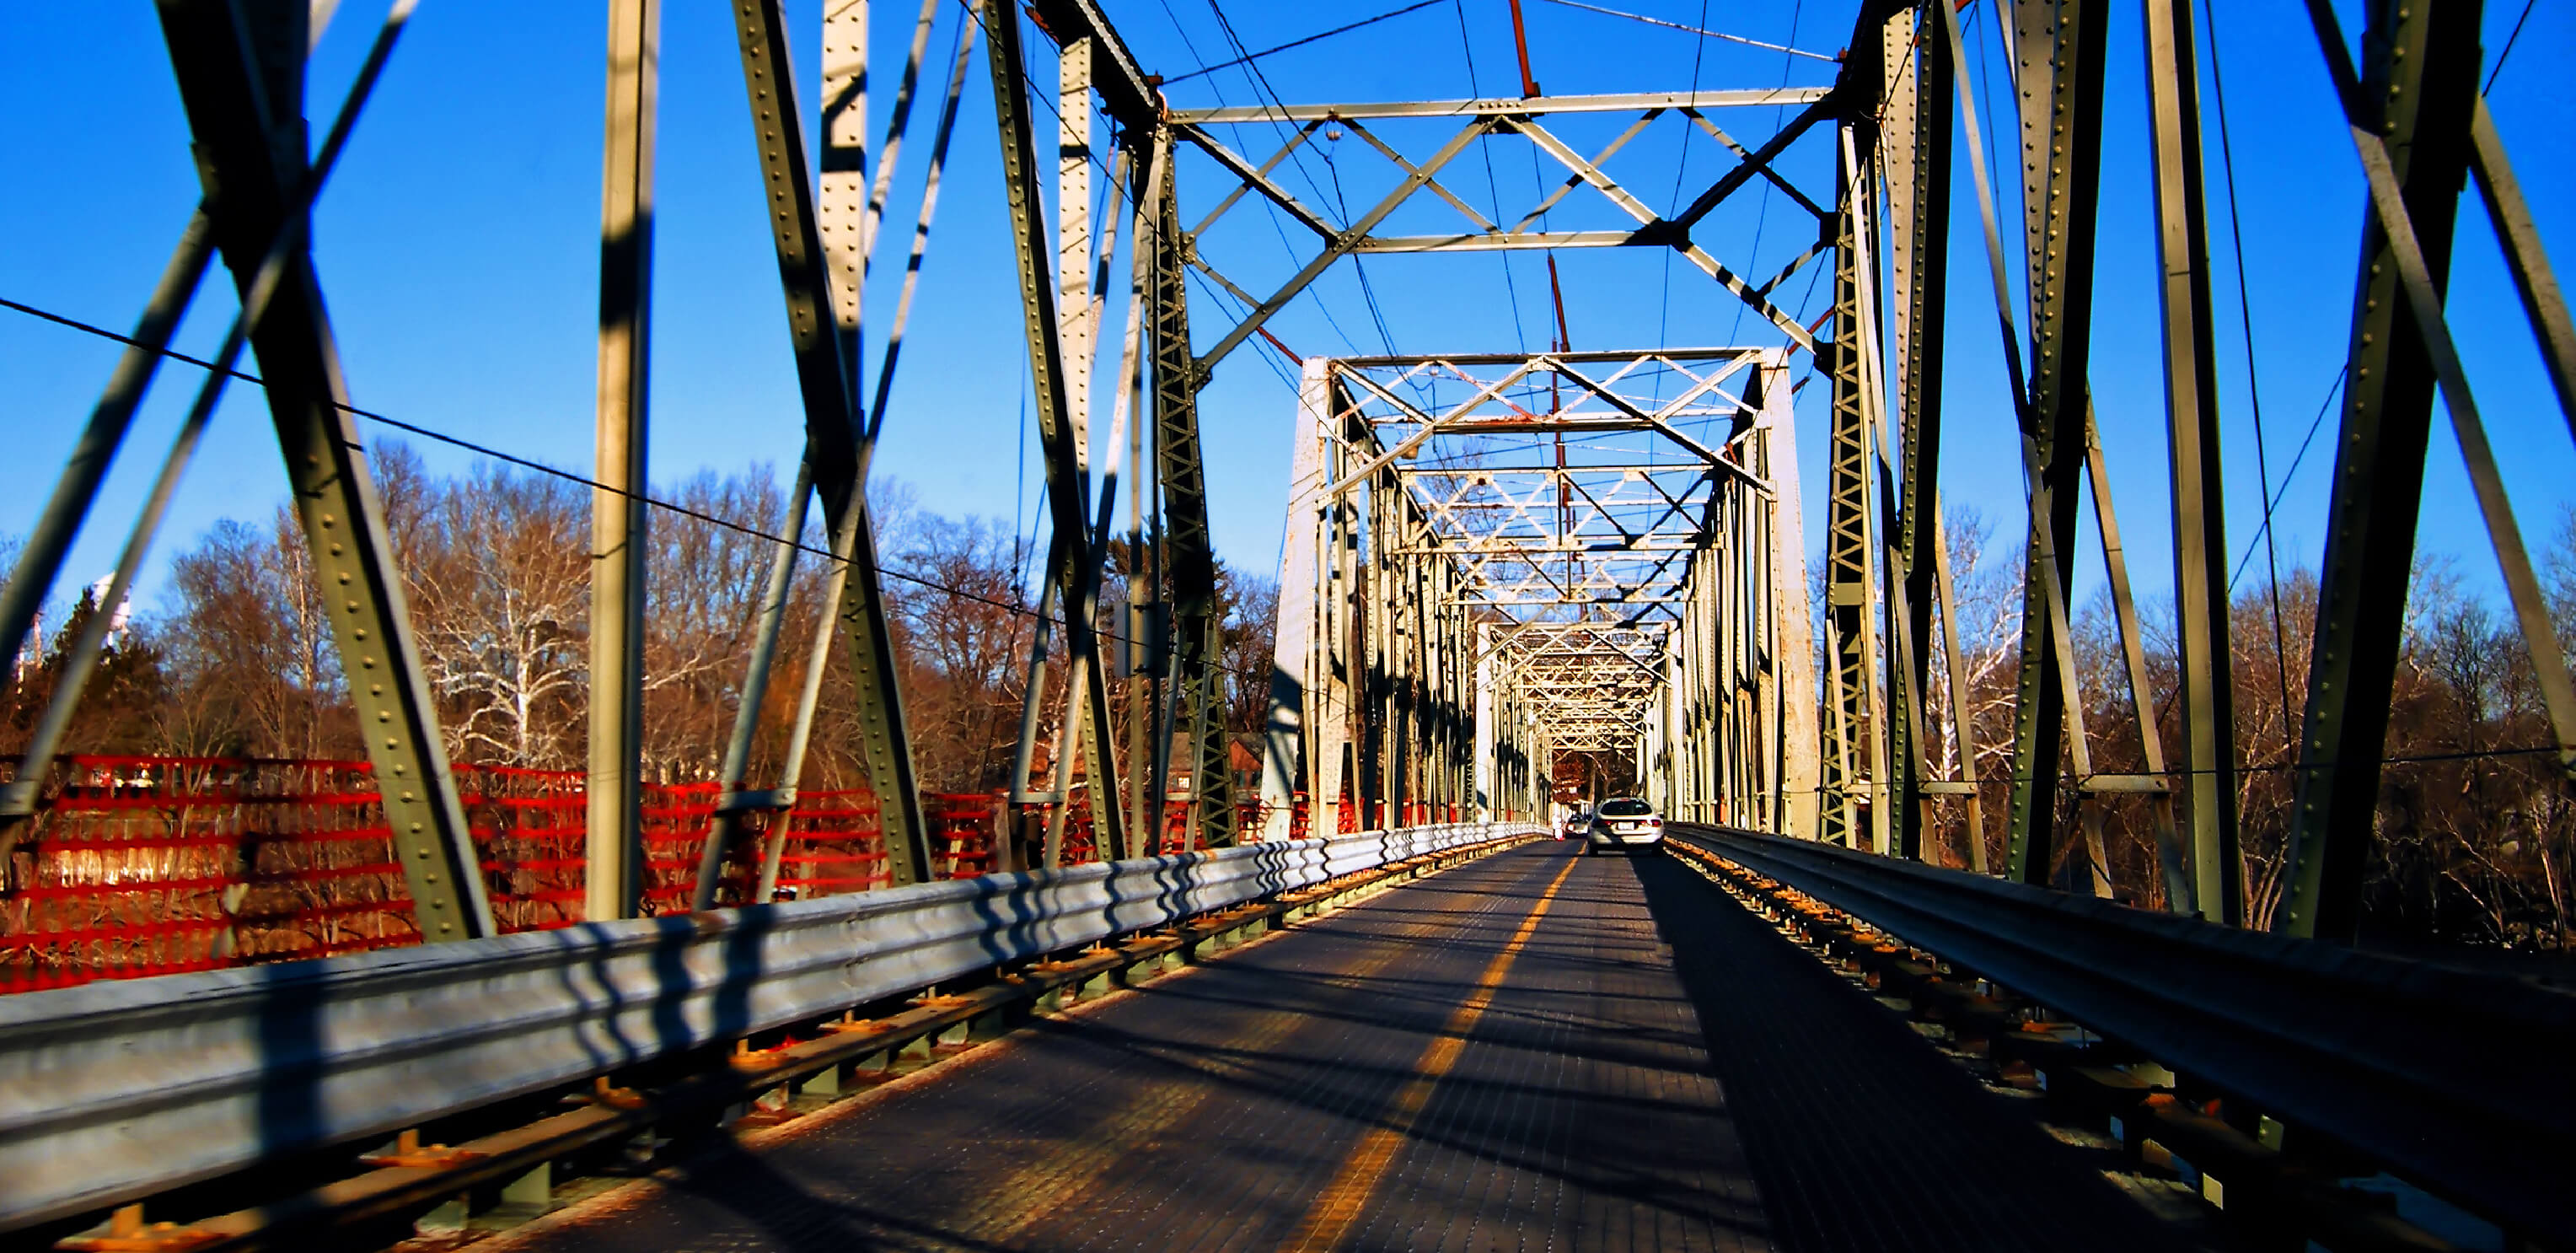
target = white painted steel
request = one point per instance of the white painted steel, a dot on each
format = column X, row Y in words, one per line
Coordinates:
column 120, row 1089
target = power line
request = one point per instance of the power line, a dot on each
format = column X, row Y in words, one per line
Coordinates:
column 1493, row 190
column 2253, row 384
column 2508, row 48
column 1664, row 313
column 1268, row 208
column 2293, row 470
column 1262, row 87
column 486, row 450
column 1701, row 30
column 1762, row 209
column 1300, row 43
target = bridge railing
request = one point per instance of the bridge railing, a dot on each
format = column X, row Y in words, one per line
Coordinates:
column 2449, row 1072
column 221, row 1069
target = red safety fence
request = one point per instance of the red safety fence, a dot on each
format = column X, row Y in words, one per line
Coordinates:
column 156, row 865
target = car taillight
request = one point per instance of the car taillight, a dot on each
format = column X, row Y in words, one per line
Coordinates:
column 1654, row 822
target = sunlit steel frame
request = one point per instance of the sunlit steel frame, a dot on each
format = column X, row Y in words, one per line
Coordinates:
column 241, row 74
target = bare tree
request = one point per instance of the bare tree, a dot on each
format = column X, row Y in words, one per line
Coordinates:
column 255, row 668
column 1251, row 604
column 965, row 638
column 499, row 581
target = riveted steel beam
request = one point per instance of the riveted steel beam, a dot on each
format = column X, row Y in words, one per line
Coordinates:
column 1914, row 148
column 2208, row 702
column 2059, row 81
column 240, row 69
column 824, row 338
column 2419, row 91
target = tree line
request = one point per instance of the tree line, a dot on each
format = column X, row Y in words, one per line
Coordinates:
column 2474, row 832
column 236, row 659
column 2472, row 840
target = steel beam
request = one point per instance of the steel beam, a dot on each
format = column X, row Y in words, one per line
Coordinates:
column 822, row 337
column 240, row 68
column 2060, row 89
column 1198, row 628
column 1111, row 70
column 1915, row 150
column 1291, row 750
column 1078, row 571
column 2208, row 700
column 613, row 793
column 2420, row 88
column 1499, row 106
column 1851, row 728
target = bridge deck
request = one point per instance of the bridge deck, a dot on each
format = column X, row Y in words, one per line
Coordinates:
column 1534, row 1051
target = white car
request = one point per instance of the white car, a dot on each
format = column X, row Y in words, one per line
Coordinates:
column 1624, row 822
column 1574, row 823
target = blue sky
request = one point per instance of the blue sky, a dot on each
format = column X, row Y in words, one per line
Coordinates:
column 458, row 248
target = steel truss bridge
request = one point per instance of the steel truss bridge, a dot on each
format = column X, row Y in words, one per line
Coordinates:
column 1495, row 561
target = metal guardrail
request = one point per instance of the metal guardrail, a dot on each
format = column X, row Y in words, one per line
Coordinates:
column 115, row 1090
column 2459, row 1079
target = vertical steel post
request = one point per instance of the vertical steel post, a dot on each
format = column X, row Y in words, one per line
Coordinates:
column 1788, row 707
column 2200, row 520
column 2420, row 85
column 1197, row 628
column 1078, row 571
column 1917, row 148
column 1291, row 753
column 613, row 794
column 2060, row 82
column 1848, row 502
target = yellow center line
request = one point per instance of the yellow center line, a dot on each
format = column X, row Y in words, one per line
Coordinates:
column 1343, row 1200
column 1041, row 1189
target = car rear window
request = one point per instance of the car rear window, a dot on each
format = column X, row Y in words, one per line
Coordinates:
column 1625, row 809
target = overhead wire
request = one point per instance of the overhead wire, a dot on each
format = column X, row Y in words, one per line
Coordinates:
column 2509, row 41
column 2253, row 383
column 1664, row 314
column 1271, row 210
column 1701, row 29
column 645, row 498
column 1493, row 189
column 2290, row 472
column 1300, row 43
column 1762, row 208
column 1262, row 87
